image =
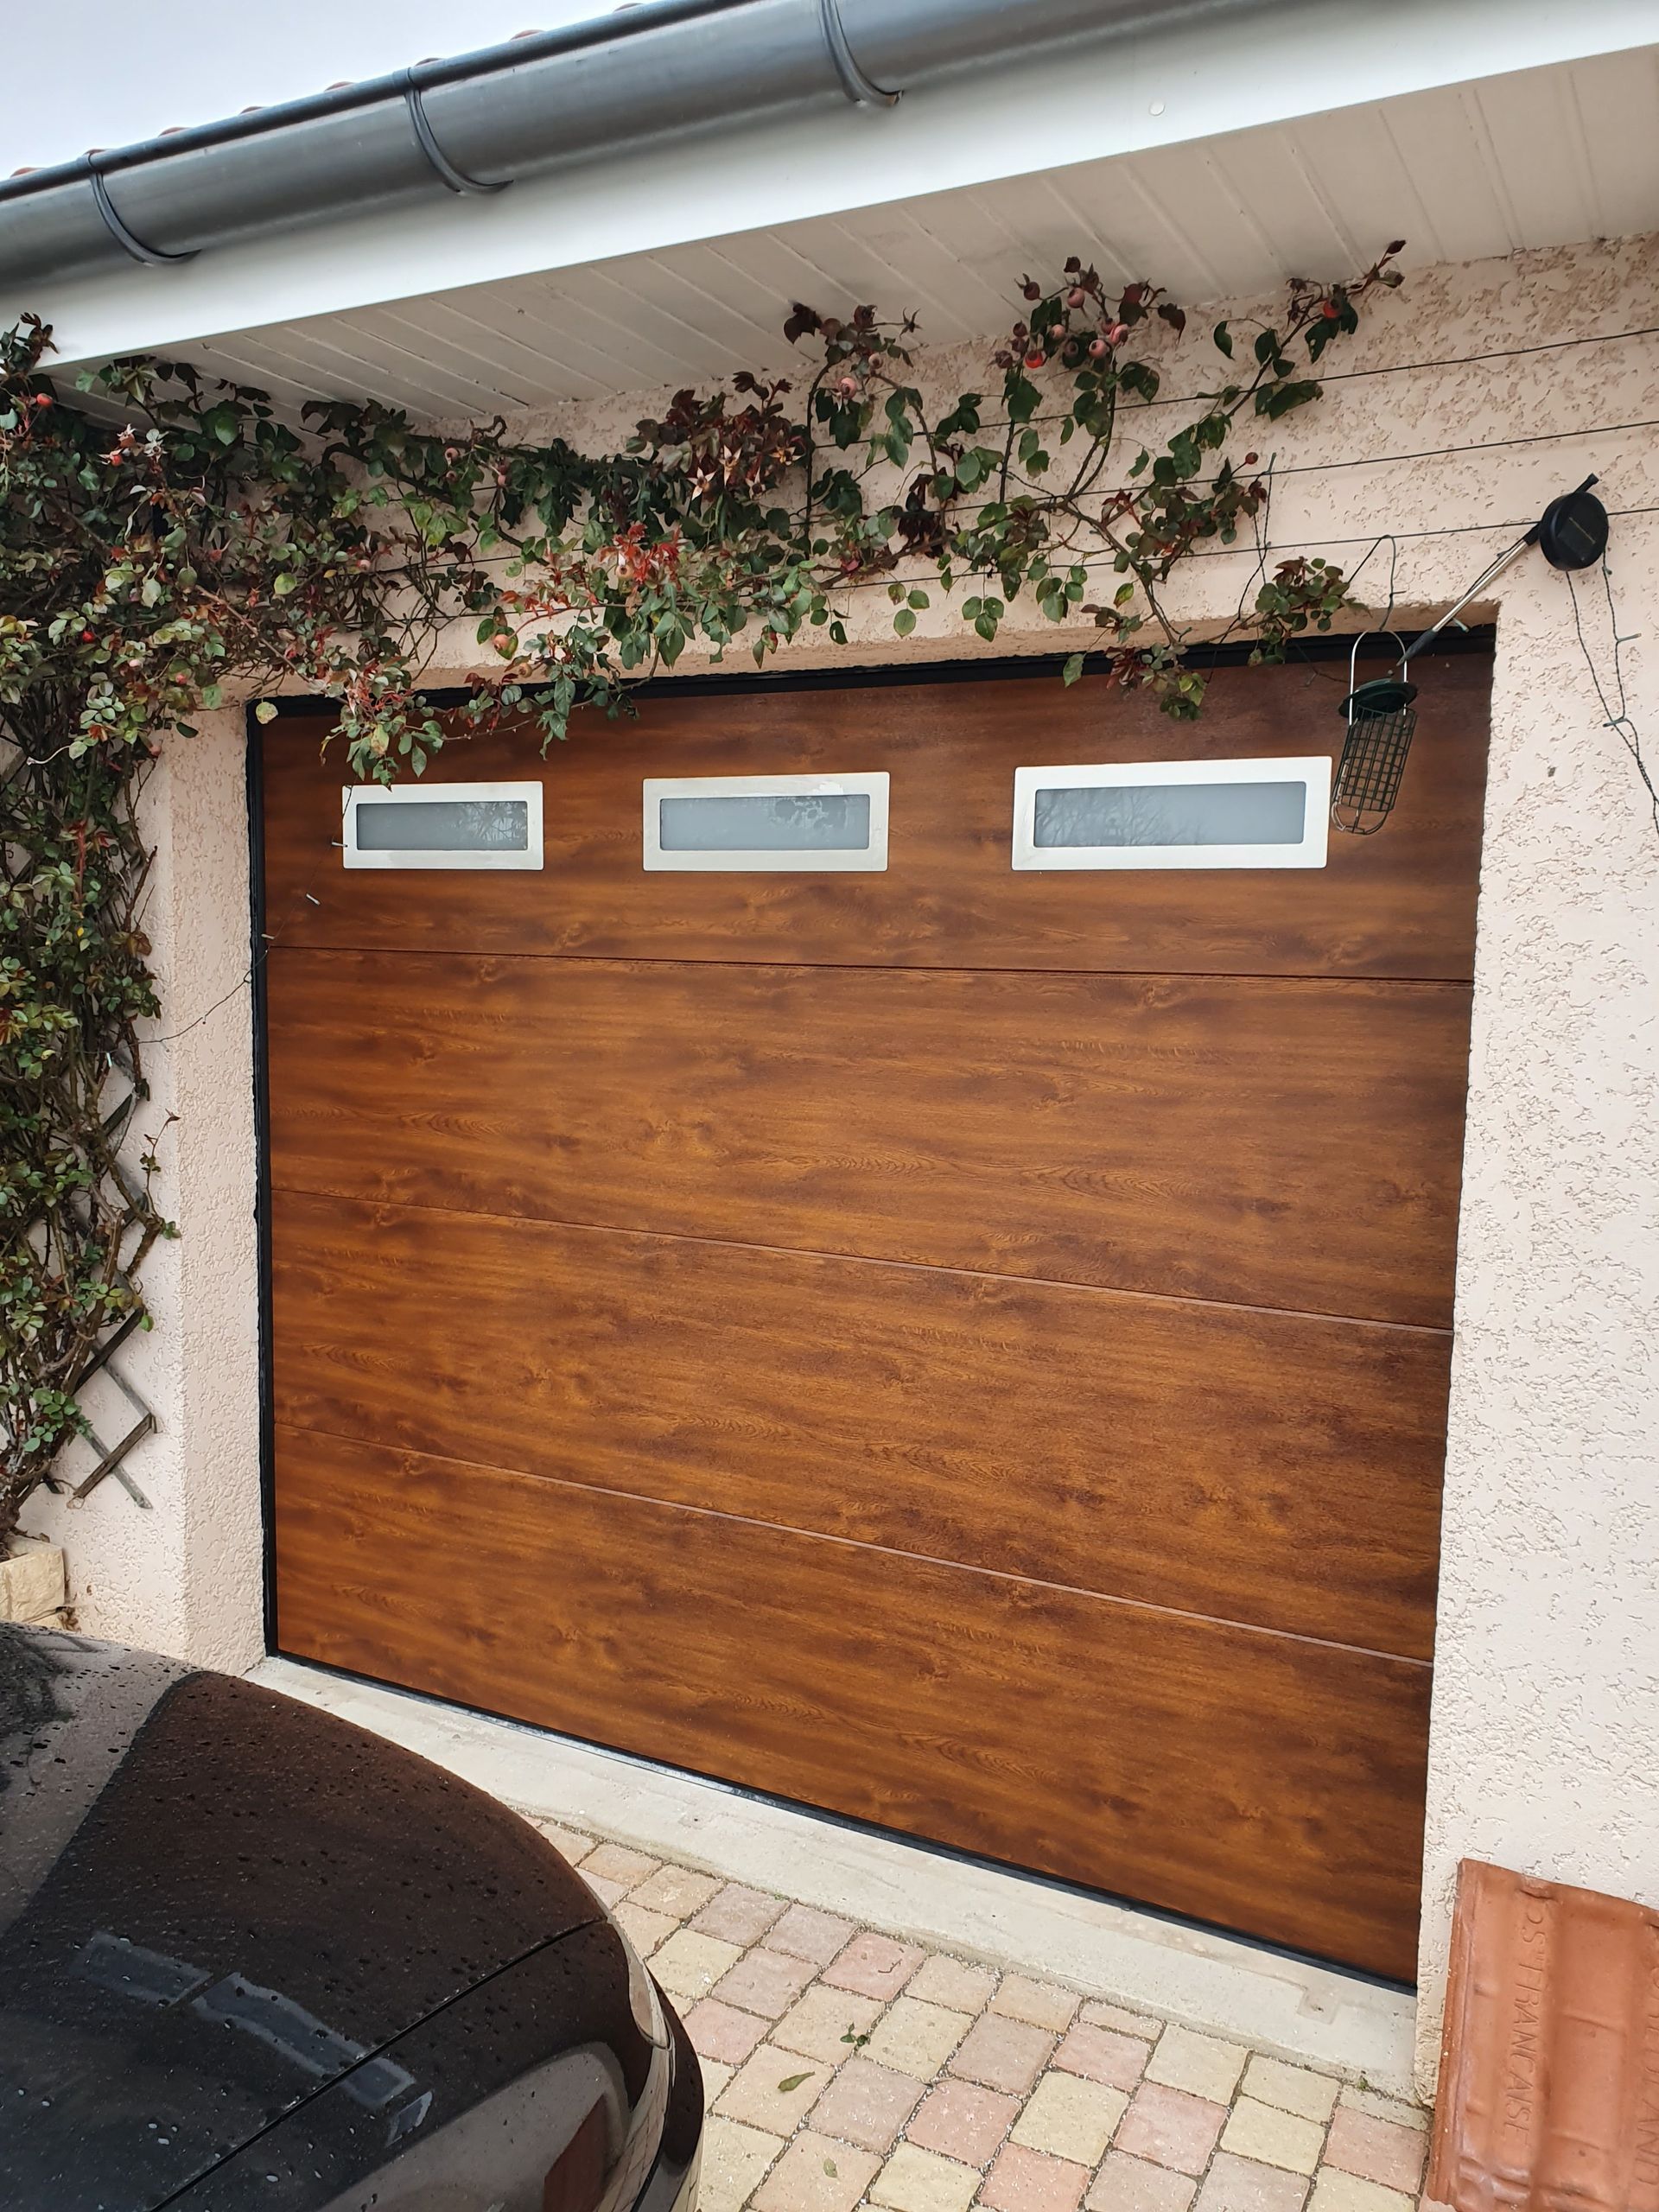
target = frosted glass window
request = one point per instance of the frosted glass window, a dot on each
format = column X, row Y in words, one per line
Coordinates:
column 807, row 823
column 455, row 825
column 445, row 826
column 1174, row 814
column 1171, row 814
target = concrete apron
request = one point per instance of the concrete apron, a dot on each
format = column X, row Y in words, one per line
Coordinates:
column 1316, row 2015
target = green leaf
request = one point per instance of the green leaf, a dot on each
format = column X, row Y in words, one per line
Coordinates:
column 1072, row 670
column 1279, row 399
column 1020, row 396
column 904, row 622
column 284, row 583
column 265, row 710
column 792, row 2082
column 1223, row 339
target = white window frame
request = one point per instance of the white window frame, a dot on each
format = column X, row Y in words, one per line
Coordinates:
column 870, row 860
column 355, row 797
column 1312, row 769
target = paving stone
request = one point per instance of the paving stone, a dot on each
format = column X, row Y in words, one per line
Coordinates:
column 720, row 2032
column 734, row 2159
column 875, row 1966
column 826, row 2022
column 921, row 2181
column 689, row 1965
column 738, row 1914
column 675, row 1891
column 866, row 2104
column 1292, row 2088
column 816, row 2174
column 759, row 2095
column 644, row 1930
column 1202, row 2065
column 1277, row 2138
column 1375, row 2149
column 1235, row 2185
column 941, row 1979
column 962, row 2120
column 715, row 2075
column 1026, row 2180
column 569, row 1843
column 1003, row 2054
column 1127, row 2184
column 1071, row 2117
column 1382, row 2107
column 917, row 2037
column 804, row 1933
column 764, row 1981
column 1102, row 2054
column 1098, row 2014
column 608, row 1893
column 614, row 1862
column 1335, row 2191
column 1044, row 2003
column 1170, row 2128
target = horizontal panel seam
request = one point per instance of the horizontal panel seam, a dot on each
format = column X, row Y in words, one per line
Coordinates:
column 858, row 1544
column 865, row 1259
column 854, row 967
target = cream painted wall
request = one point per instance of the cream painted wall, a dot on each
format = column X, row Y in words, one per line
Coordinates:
column 1546, row 1725
column 185, row 1575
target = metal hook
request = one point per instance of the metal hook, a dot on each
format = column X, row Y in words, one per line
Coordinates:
column 1360, row 638
column 856, row 85
column 445, row 170
column 127, row 240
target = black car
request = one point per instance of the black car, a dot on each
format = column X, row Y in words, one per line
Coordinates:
column 253, row 1957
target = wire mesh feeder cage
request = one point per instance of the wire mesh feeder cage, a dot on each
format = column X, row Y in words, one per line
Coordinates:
column 1380, row 717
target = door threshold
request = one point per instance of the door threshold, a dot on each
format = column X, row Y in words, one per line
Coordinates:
column 1292, row 2008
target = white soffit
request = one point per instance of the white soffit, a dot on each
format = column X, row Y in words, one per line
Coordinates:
column 1218, row 161
column 1538, row 158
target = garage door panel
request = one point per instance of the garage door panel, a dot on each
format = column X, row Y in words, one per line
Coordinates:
column 1259, row 1466
column 1277, row 1143
column 1261, row 1782
column 1402, row 905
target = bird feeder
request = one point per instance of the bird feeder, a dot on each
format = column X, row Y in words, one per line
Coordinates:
column 1382, row 715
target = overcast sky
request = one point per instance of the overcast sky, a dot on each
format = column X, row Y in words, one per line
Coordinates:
column 78, row 74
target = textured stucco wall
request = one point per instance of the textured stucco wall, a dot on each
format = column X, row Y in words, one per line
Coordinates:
column 1545, row 1728
column 184, row 1577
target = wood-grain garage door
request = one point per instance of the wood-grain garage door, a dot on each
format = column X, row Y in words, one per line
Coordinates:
column 965, row 1348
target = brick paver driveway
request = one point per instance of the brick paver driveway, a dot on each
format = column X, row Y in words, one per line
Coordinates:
column 845, row 2067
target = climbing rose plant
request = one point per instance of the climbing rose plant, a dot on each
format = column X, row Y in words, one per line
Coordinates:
column 167, row 542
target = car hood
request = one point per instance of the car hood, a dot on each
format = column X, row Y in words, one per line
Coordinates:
column 213, row 1902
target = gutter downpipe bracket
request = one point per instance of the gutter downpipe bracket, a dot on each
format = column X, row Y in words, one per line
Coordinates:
column 857, row 86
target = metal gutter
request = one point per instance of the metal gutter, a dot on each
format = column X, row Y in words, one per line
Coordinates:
column 473, row 124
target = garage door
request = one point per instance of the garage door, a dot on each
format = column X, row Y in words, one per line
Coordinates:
column 961, row 1345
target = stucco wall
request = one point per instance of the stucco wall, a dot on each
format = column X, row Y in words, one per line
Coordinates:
column 1546, row 1727
column 184, row 1576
